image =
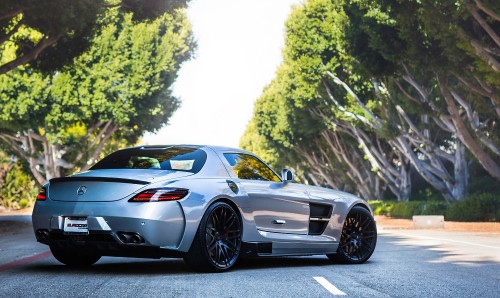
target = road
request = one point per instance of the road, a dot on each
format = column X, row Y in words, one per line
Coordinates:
column 406, row 263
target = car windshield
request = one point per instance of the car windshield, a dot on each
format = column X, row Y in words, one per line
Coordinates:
column 172, row 158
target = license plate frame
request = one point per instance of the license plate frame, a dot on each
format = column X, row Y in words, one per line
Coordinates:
column 75, row 225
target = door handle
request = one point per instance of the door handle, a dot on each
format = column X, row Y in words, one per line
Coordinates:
column 279, row 222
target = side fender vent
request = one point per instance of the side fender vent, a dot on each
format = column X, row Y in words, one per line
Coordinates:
column 320, row 210
column 319, row 217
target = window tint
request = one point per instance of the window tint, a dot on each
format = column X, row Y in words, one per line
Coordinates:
column 248, row 167
column 173, row 158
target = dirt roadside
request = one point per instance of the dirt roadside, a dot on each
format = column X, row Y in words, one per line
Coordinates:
column 5, row 212
column 388, row 223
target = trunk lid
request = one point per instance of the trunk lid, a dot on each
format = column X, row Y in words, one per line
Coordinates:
column 106, row 185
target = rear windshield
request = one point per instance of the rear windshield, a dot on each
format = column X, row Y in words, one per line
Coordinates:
column 173, row 158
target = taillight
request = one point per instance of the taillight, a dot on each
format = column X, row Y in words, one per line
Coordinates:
column 42, row 195
column 159, row 195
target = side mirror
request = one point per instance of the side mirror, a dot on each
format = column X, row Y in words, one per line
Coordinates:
column 287, row 175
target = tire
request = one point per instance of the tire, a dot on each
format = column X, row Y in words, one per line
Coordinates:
column 74, row 258
column 358, row 239
column 216, row 245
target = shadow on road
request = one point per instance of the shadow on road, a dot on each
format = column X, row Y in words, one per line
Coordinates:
column 128, row 266
column 431, row 252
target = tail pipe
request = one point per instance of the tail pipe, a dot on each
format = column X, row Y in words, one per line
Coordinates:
column 130, row 238
column 42, row 235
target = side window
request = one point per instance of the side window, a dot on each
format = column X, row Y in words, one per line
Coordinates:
column 248, row 167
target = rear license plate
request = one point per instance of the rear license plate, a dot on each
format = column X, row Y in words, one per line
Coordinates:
column 75, row 225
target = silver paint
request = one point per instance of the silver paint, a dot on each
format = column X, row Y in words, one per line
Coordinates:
column 173, row 224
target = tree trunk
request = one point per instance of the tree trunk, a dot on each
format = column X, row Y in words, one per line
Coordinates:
column 404, row 185
column 485, row 26
column 461, row 173
column 463, row 133
column 432, row 179
column 488, row 11
column 30, row 56
column 49, row 162
column 481, row 53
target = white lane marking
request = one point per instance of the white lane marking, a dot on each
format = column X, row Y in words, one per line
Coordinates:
column 327, row 285
column 440, row 239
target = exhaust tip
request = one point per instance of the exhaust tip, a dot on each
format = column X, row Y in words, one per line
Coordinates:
column 136, row 238
column 130, row 238
column 42, row 235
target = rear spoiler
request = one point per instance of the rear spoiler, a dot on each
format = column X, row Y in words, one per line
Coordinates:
column 102, row 179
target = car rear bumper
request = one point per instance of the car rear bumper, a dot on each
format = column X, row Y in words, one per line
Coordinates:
column 105, row 244
column 160, row 225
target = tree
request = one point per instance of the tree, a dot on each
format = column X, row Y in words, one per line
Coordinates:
column 65, row 27
column 118, row 88
column 383, row 75
column 457, row 43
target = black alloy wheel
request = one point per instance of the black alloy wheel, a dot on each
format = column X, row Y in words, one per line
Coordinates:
column 217, row 243
column 358, row 239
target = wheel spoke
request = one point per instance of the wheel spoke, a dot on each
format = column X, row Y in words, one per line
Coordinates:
column 212, row 247
column 365, row 223
column 222, row 217
column 229, row 220
column 225, row 255
column 223, row 236
column 229, row 246
column 367, row 245
column 211, row 232
column 214, row 220
column 357, row 236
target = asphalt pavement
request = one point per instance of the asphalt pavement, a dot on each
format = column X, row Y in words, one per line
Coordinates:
column 406, row 263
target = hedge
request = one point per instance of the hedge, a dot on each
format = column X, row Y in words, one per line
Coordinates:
column 17, row 190
column 408, row 209
column 476, row 207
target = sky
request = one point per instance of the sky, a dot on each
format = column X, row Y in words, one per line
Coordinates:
column 239, row 49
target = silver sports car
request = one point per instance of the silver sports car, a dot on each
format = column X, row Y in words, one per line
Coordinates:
column 208, row 205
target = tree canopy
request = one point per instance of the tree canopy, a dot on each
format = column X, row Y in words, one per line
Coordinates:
column 373, row 93
column 64, row 28
column 118, row 88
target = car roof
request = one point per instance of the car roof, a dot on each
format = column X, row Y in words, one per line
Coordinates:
column 219, row 149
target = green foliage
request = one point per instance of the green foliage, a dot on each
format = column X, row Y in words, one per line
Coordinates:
column 70, row 33
column 481, row 183
column 256, row 143
column 123, row 78
column 375, row 204
column 381, row 207
column 125, row 75
column 18, row 189
column 477, row 207
column 397, row 45
column 408, row 209
column 425, row 193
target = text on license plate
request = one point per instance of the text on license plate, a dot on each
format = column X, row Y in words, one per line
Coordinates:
column 75, row 225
